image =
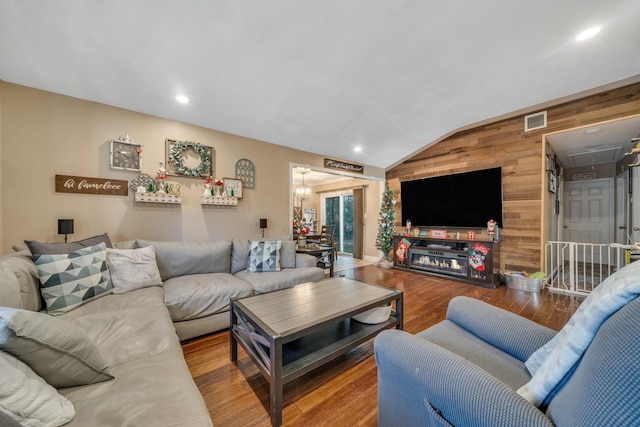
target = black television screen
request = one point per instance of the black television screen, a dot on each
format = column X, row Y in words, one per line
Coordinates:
column 467, row 199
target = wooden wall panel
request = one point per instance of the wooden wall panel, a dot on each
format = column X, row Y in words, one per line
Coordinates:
column 519, row 153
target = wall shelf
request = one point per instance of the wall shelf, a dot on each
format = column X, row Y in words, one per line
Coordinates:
column 157, row 198
column 219, row 200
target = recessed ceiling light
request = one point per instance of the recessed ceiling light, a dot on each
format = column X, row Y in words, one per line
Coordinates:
column 588, row 33
column 182, row 99
column 357, row 149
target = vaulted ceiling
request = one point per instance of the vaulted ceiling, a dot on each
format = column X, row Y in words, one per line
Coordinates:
column 388, row 76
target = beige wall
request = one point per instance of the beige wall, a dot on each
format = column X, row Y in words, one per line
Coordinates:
column 43, row 134
column 372, row 196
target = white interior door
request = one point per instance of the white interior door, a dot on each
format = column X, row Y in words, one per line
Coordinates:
column 588, row 211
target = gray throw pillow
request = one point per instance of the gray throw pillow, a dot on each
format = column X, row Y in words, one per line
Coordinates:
column 39, row 248
column 133, row 269
column 288, row 254
column 61, row 353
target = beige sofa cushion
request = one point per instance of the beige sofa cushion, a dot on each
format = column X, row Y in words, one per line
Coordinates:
column 152, row 385
column 59, row 352
column 28, row 399
column 26, row 272
column 182, row 258
column 286, row 278
column 199, row 295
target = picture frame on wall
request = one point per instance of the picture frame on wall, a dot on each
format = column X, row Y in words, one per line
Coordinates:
column 552, row 183
column 232, row 187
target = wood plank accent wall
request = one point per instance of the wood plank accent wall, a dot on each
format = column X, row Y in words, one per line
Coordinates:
column 505, row 143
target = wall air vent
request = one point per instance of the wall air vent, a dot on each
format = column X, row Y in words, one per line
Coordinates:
column 535, row 121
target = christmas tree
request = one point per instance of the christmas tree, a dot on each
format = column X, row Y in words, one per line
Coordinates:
column 386, row 222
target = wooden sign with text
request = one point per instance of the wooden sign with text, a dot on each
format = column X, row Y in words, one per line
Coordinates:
column 87, row 185
column 349, row 167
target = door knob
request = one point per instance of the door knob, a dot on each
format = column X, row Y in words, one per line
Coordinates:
column 622, row 227
column 636, row 229
column 565, row 227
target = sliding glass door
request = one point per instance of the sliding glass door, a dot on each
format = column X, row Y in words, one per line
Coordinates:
column 338, row 211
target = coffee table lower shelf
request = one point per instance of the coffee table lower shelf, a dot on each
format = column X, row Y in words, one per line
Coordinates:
column 312, row 351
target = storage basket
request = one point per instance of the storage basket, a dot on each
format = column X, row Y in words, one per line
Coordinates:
column 375, row 315
column 516, row 281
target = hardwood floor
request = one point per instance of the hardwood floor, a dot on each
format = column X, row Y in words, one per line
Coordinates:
column 344, row 392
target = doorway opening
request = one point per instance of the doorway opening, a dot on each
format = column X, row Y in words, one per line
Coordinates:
column 587, row 206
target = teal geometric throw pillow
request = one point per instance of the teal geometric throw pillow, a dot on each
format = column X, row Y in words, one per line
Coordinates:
column 264, row 256
column 70, row 280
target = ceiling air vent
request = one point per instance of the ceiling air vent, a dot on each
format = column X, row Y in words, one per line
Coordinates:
column 535, row 121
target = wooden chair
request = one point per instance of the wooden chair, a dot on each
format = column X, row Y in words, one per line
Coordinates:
column 326, row 238
column 326, row 235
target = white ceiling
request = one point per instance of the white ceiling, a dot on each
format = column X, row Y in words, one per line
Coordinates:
column 324, row 76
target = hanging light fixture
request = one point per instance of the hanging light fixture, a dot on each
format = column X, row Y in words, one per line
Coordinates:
column 302, row 192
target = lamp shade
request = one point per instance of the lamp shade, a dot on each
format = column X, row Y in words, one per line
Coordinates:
column 65, row 226
column 263, row 222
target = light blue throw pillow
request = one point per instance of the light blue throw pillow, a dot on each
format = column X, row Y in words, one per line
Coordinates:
column 70, row 280
column 264, row 256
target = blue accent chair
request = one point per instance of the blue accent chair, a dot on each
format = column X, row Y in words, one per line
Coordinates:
column 465, row 371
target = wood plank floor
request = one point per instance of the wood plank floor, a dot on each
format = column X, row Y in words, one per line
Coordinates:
column 344, row 392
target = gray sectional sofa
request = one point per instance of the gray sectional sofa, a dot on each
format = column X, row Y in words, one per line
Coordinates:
column 116, row 357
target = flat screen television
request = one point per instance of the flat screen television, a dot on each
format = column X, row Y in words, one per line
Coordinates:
column 467, row 199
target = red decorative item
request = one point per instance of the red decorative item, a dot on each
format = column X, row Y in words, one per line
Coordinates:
column 403, row 247
column 304, row 230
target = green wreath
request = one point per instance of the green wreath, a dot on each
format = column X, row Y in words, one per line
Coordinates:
column 177, row 159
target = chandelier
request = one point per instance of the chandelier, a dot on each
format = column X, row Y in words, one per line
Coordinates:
column 302, row 192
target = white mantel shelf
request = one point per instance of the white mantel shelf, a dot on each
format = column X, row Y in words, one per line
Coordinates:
column 157, row 198
column 219, row 200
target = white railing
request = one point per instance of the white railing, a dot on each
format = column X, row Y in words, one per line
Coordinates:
column 577, row 268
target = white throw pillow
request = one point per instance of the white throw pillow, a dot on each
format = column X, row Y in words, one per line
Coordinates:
column 133, row 269
column 28, row 399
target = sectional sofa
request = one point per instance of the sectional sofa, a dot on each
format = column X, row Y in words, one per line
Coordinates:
column 109, row 353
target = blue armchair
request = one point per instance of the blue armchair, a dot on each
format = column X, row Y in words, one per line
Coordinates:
column 465, row 371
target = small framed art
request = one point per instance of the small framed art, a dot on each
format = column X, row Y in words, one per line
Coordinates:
column 232, row 187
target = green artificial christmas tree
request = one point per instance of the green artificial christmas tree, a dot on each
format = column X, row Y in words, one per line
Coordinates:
column 386, row 226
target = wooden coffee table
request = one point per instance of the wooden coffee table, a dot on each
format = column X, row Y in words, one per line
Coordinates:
column 290, row 332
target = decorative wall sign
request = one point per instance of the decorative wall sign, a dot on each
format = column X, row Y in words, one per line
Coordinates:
column 583, row 176
column 246, row 172
column 337, row 164
column 188, row 158
column 87, row 185
column 233, row 187
column 125, row 155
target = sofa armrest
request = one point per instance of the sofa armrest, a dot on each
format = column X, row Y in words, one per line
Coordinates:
column 421, row 383
column 513, row 334
column 306, row 260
